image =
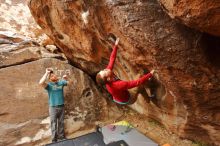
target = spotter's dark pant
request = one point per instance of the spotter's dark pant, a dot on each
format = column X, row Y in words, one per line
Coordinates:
column 57, row 122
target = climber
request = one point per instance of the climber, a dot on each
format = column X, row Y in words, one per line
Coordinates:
column 56, row 103
column 116, row 87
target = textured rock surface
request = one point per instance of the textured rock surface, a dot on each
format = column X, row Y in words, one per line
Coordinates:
column 24, row 104
column 188, row 91
column 198, row 14
column 15, row 51
column 24, row 108
column 15, row 18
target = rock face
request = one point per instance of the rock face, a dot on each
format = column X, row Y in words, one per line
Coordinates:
column 188, row 87
column 16, row 19
column 24, row 104
column 198, row 14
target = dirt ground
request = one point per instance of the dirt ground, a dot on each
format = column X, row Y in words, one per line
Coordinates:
column 152, row 129
column 149, row 127
column 155, row 130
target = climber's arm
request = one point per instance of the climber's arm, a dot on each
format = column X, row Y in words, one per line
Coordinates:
column 123, row 85
column 113, row 55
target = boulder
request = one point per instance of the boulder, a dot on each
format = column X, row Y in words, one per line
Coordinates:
column 16, row 19
column 19, row 57
column 24, row 104
column 16, row 50
column 187, row 88
column 198, row 14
